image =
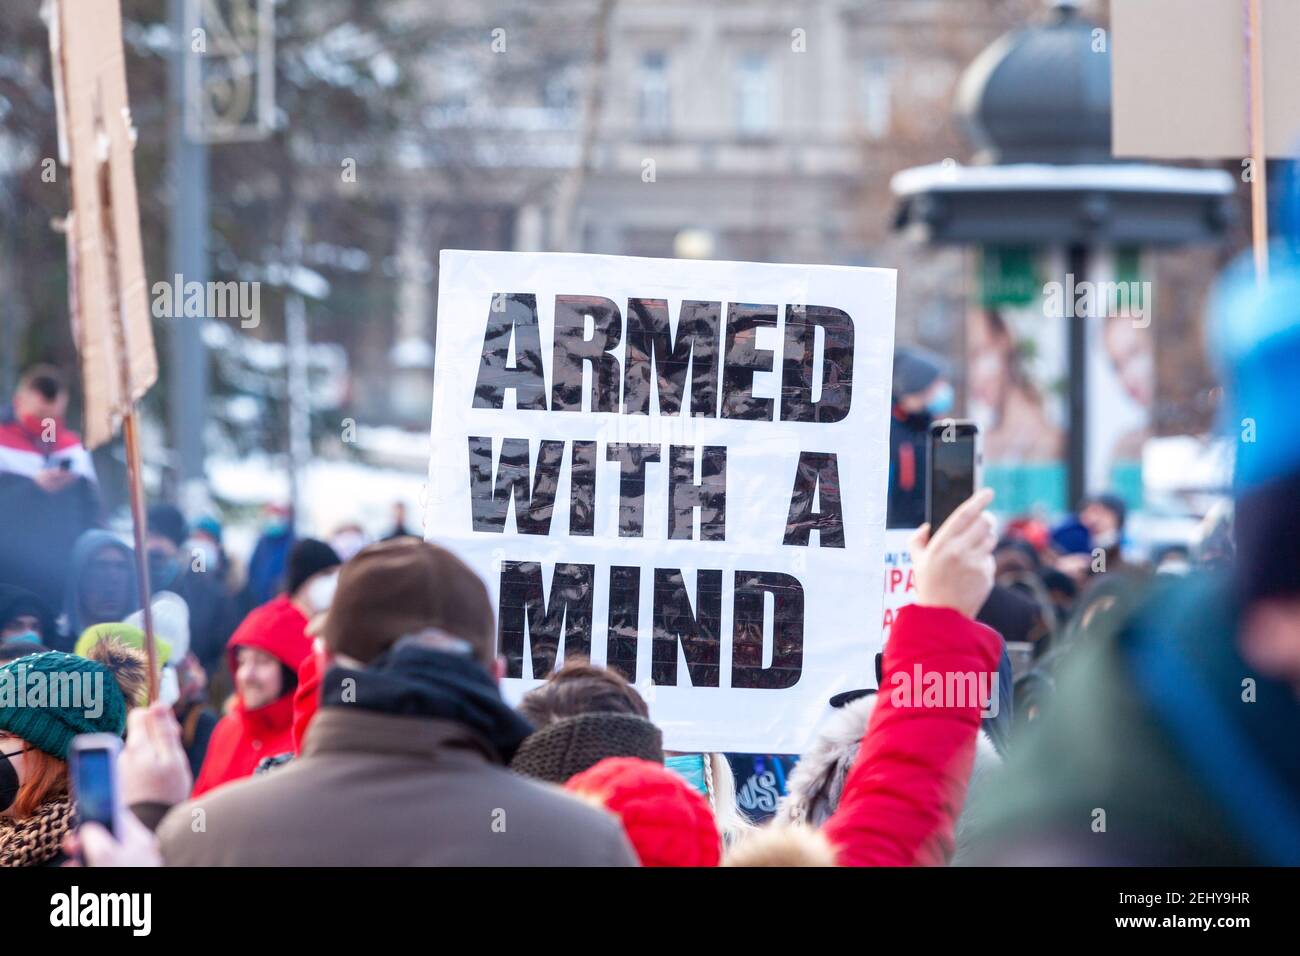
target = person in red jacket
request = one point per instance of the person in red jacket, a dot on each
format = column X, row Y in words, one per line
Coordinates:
column 902, row 798
column 265, row 654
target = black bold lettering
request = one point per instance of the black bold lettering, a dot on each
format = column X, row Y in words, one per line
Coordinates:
column 797, row 361
column 582, row 487
column 817, row 477
column 743, row 359
column 565, row 618
column 653, row 352
column 534, row 501
column 698, row 632
column 709, row 495
column 573, row 349
column 747, row 668
column 624, row 620
column 511, row 315
column 631, row 489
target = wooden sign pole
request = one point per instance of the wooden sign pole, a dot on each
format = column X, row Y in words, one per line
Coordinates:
column 1258, row 149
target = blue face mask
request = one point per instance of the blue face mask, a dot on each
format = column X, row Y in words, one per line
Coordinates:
column 26, row 637
column 942, row 401
column 690, row 767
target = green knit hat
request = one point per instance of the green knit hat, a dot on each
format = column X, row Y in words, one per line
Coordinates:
column 47, row 699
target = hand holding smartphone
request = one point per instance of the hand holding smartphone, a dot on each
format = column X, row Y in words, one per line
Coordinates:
column 92, row 769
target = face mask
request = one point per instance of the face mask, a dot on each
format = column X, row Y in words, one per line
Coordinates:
column 942, row 401
column 1105, row 540
column 26, row 637
column 690, row 767
column 9, row 780
column 320, row 593
column 275, row 527
column 163, row 569
column 169, row 688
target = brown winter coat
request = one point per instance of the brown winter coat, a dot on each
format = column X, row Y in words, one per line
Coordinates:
column 373, row 789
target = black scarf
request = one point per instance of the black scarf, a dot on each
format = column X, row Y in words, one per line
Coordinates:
column 410, row 680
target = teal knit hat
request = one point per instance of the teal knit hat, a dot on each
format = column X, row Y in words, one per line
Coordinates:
column 47, row 699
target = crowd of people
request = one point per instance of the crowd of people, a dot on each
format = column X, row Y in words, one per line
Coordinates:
column 340, row 704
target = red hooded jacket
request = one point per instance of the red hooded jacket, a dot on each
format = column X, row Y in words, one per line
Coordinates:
column 907, row 786
column 243, row 737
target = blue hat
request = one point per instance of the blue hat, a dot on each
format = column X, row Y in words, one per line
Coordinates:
column 1255, row 337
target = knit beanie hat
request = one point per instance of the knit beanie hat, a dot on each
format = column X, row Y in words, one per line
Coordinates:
column 667, row 823
column 916, row 369
column 308, row 557
column 571, row 745
column 167, row 521
column 47, row 699
column 128, row 634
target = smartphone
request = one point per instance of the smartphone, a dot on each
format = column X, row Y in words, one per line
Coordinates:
column 92, row 769
column 951, row 470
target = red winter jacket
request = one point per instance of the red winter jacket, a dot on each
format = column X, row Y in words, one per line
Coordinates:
column 908, row 784
column 306, row 699
column 243, row 738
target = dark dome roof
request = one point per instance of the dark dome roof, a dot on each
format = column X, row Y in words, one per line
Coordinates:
column 1041, row 94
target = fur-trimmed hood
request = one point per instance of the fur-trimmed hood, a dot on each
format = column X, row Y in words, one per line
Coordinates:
column 815, row 785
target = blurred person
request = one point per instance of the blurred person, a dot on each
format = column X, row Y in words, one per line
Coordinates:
column 101, row 586
column 48, row 491
column 710, row 775
column 921, row 394
column 191, row 563
column 104, row 643
column 153, row 775
column 405, row 761
column 348, row 539
column 270, row 556
column 816, row 784
column 183, row 684
column 310, row 576
column 666, row 820
column 24, row 616
column 264, row 655
column 582, row 714
column 908, row 779
column 1104, row 516
column 1181, row 721
column 399, row 523
column 36, row 810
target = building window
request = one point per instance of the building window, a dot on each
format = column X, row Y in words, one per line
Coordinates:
column 653, row 107
column 753, row 94
column 877, row 97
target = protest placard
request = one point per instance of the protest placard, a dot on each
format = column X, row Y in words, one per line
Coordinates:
column 675, row 468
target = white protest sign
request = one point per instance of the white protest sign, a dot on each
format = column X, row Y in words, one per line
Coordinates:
column 675, row 468
column 900, row 578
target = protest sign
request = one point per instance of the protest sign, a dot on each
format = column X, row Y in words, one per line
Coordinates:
column 675, row 468
column 900, row 578
column 1179, row 75
column 106, row 282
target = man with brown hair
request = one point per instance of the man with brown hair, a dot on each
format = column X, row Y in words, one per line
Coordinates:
column 404, row 764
